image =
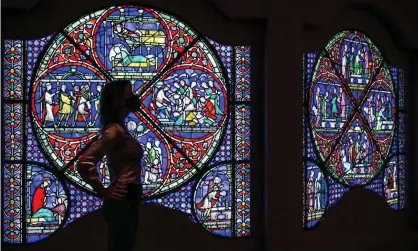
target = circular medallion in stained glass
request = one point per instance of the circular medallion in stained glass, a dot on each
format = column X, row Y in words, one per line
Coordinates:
column 173, row 70
column 351, row 108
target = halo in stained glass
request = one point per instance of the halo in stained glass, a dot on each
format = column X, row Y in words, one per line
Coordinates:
column 177, row 75
column 352, row 108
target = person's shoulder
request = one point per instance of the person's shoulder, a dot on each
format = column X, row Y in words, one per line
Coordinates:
column 114, row 129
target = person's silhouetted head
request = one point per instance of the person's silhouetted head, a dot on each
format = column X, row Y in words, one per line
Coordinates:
column 113, row 101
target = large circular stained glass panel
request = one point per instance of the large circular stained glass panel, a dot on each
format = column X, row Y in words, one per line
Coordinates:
column 352, row 108
column 173, row 70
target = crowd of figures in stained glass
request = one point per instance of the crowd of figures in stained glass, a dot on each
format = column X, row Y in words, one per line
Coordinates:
column 353, row 125
column 194, row 119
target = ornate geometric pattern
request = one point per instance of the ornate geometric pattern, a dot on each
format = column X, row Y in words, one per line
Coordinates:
column 376, row 184
column 12, row 72
column 243, row 132
column 80, row 203
column 242, row 65
column 225, row 53
column 33, row 151
column 243, row 200
column 402, row 183
column 401, row 89
column 353, row 126
column 180, row 200
column 12, row 203
column 33, row 49
column 12, row 128
column 336, row 191
column 194, row 120
column 224, row 153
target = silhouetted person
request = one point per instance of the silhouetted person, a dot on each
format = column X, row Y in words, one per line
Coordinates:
column 124, row 154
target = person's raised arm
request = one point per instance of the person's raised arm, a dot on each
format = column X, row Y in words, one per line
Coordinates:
column 112, row 137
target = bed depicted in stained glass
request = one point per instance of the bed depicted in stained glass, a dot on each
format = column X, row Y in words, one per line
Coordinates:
column 188, row 124
column 186, row 102
column 46, row 203
column 352, row 109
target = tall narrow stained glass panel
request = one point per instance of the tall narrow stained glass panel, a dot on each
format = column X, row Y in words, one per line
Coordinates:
column 353, row 125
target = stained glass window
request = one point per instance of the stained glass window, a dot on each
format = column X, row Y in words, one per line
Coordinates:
column 353, row 125
column 194, row 122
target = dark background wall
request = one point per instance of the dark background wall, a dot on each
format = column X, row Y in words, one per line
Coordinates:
column 279, row 32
